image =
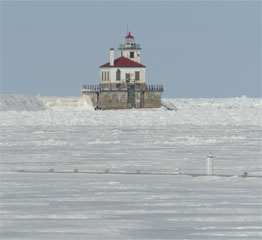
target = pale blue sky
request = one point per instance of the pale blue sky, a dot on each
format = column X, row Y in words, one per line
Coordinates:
column 193, row 48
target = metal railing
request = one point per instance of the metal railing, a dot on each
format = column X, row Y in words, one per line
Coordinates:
column 91, row 87
column 154, row 88
column 123, row 86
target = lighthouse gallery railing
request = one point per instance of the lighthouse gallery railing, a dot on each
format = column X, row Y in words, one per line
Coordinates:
column 157, row 88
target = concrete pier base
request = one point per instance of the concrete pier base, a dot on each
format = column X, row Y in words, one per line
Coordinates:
column 124, row 97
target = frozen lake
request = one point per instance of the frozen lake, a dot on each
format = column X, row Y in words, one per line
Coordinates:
column 41, row 133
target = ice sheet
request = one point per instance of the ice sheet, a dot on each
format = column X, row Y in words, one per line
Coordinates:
column 100, row 206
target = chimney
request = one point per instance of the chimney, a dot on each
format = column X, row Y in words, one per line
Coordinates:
column 111, row 56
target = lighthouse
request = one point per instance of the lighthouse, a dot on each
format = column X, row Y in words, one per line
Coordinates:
column 122, row 81
column 126, row 69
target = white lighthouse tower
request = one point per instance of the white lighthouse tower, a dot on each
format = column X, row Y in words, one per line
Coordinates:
column 130, row 49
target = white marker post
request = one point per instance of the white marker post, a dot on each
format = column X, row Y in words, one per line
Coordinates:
column 210, row 158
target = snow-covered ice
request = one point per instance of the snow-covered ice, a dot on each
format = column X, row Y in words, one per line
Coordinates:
column 42, row 133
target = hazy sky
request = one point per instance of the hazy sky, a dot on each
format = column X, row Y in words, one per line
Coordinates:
column 193, row 48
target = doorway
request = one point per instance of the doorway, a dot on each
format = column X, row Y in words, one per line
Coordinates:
column 131, row 96
column 127, row 77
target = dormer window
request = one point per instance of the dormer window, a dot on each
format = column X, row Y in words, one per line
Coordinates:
column 132, row 54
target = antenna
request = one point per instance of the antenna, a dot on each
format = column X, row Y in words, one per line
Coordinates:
column 127, row 29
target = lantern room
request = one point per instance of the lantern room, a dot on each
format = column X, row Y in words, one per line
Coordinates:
column 129, row 39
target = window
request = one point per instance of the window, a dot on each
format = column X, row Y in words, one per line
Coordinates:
column 137, row 76
column 107, row 76
column 118, row 75
column 132, row 55
column 102, row 76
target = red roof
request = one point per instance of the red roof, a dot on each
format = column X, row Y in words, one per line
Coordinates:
column 129, row 35
column 123, row 62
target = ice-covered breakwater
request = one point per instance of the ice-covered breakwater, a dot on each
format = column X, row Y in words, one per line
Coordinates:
column 214, row 103
column 38, row 110
column 19, row 102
